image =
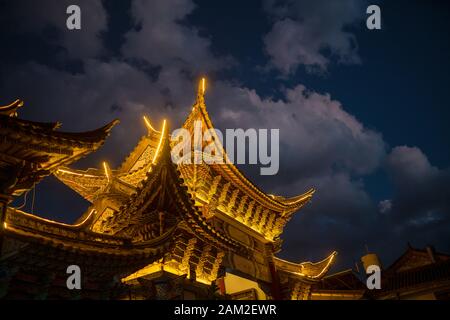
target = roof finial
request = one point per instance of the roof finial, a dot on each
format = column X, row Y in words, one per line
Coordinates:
column 107, row 170
column 201, row 91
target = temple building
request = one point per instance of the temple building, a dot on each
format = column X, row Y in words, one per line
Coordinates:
column 154, row 229
column 418, row 274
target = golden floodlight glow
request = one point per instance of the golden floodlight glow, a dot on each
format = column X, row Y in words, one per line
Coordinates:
column 148, row 124
column 105, row 166
column 163, row 132
column 5, row 225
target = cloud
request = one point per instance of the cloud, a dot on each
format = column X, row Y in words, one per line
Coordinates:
column 420, row 205
column 422, row 191
column 162, row 39
column 47, row 19
column 318, row 137
column 341, row 217
column 312, row 33
column 385, row 206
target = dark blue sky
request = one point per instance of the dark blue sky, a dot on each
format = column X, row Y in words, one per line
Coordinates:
column 136, row 57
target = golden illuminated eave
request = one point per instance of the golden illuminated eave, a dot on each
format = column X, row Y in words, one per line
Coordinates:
column 93, row 182
column 11, row 109
column 306, row 270
column 75, row 239
column 86, row 183
column 34, row 150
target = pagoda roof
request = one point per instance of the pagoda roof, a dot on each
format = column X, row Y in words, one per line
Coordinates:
column 30, row 150
column 57, row 245
column 164, row 190
column 130, row 237
column 415, row 258
column 416, row 270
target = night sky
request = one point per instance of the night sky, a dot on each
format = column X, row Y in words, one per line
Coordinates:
column 363, row 114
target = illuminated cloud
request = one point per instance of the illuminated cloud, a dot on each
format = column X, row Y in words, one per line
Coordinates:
column 312, row 33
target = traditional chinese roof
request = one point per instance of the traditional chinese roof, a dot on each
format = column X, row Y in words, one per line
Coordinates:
column 159, row 220
column 415, row 258
column 425, row 275
column 220, row 189
column 242, row 200
column 164, row 190
column 31, row 150
column 36, row 253
column 92, row 183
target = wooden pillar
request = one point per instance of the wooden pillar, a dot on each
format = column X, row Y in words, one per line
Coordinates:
column 275, row 285
column 276, row 290
column 4, row 202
